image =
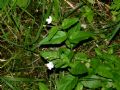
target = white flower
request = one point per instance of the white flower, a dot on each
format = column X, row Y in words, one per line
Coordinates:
column 50, row 65
column 49, row 20
column 84, row 26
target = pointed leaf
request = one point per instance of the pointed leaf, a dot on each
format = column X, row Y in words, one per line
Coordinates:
column 65, row 58
column 66, row 52
column 78, row 68
column 67, row 82
column 69, row 45
column 81, row 56
column 49, row 55
column 59, row 63
column 42, row 86
column 77, row 36
column 51, row 33
column 94, row 82
column 59, row 37
column 104, row 70
column 69, row 22
column 79, row 86
column 98, row 52
column 89, row 14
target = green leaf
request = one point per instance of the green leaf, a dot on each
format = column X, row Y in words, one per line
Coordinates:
column 116, row 75
column 89, row 14
column 67, row 52
column 49, row 55
column 54, row 37
column 51, row 33
column 69, row 45
column 110, row 50
column 117, row 85
column 67, row 23
column 115, row 5
column 116, row 79
column 67, row 82
column 77, row 36
column 75, row 28
column 77, row 68
column 94, row 82
column 109, row 58
column 98, row 52
column 104, row 70
column 79, row 86
column 42, row 86
column 65, row 58
column 23, row 3
column 95, row 63
column 90, row 17
column 60, row 63
column 59, row 37
column 81, row 56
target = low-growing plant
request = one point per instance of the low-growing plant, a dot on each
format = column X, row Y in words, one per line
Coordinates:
column 57, row 45
column 78, row 69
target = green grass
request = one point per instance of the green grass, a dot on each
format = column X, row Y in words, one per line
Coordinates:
column 22, row 27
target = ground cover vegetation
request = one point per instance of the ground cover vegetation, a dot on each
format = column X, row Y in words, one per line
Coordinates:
column 59, row 45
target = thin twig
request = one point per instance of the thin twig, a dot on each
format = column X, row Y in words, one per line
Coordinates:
column 70, row 4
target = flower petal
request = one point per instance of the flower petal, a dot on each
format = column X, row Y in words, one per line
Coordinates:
column 50, row 65
column 49, row 20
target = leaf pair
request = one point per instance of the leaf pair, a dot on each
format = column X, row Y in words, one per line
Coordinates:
column 75, row 35
column 61, row 58
column 72, row 37
column 54, row 37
